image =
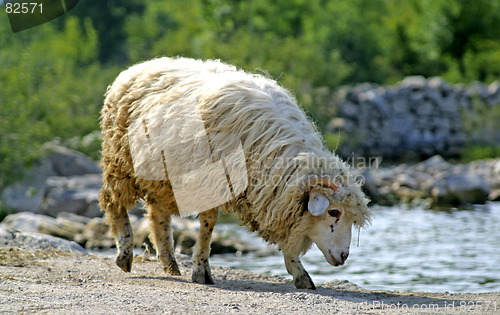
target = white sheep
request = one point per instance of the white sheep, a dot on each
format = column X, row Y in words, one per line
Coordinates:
column 292, row 190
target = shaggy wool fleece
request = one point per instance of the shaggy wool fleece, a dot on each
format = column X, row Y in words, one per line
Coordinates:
column 280, row 147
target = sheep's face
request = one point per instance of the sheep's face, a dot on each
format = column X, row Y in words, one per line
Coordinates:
column 331, row 230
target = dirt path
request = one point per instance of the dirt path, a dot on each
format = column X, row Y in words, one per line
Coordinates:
column 54, row 283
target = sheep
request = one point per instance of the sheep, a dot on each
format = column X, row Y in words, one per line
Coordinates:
column 292, row 191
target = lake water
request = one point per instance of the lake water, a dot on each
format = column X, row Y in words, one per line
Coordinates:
column 405, row 249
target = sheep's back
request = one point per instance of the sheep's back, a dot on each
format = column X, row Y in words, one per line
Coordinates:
column 262, row 116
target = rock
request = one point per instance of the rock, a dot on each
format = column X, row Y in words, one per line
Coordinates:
column 408, row 195
column 72, row 194
column 401, row 107
column 349, row 109
column 421, row 117
column 38, row 241
column 73, row 217
column 416, row 98
column 494, row 195
column 456, row 189
column 38, row 223
column 63, row 228
column 415, row 82
column 494, row 93
column 373, row 182
column 186, row 234
column 96, row 234
column 439, row 84
column 425, row 109
column 141, row 234
column 405, row 180
column 433, row 96
column 448, row 105
column 434, row 163
column 343, row 285
column 479, row 89
column 67, row 162
column 434, row 181
column 373, row 98
column 25, row 222
column 27, row 195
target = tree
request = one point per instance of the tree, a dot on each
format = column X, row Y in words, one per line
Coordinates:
column 473, row 30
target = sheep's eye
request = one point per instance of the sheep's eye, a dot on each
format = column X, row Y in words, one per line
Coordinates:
column 334, row 213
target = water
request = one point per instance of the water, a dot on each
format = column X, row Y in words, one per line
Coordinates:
column 407, row 249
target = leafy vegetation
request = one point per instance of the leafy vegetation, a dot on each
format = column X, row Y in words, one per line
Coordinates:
column 482, row 130
column 53, row 77
column 474, row 152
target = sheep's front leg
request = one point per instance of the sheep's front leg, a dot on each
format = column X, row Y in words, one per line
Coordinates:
column 201, row 252
column 301, row 278
column 160, row 222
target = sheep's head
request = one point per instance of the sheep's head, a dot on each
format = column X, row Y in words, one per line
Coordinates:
column 335, row 208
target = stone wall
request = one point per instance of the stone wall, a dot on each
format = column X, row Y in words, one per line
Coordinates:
column 418, row 117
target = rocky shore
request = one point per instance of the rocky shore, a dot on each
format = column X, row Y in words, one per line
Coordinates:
column 23, row 228
column 434, row 183
column 58, row 197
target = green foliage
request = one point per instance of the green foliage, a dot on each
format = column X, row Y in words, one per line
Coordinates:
column 52, row 86
column 4, row 211
column 108, row 18
column 474, row 152
column 482, row 130
column 472, row 40
column 333, row 140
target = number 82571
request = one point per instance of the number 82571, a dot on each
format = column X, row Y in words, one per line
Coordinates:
column 23, row 8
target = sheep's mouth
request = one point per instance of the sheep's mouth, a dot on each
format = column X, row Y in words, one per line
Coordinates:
column 331, row 259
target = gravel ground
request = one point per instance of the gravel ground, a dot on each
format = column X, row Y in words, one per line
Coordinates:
column 57, row 283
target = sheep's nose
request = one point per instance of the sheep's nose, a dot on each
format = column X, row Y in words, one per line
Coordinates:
column 344, row 256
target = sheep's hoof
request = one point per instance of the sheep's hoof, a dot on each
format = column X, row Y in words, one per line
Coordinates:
column 172, row 268
column 304, row 281
column 124, row 261
column 202, row 274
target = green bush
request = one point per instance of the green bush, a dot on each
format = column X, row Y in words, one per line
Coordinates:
column 482, row 130
column 52, row 86
column 472, row 152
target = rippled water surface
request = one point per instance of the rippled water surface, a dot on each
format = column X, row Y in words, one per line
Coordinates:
column 407, row 249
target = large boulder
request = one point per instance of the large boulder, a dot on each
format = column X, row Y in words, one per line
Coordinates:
column 25, row 222
column 96, row 235
column 72, row 194
column 38, row 241
column 66, row 162
column 455, row 189
column 28, row 194
column 434, row 182
column 66, row 225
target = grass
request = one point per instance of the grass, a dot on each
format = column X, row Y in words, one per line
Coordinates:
column 474, row 152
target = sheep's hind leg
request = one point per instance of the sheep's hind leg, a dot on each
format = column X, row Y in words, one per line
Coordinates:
column 301, row 278
column 201, row 252
column 121, row 230
column 161, row 224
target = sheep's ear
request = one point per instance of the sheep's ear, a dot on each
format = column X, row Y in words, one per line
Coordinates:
column 318, row 203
